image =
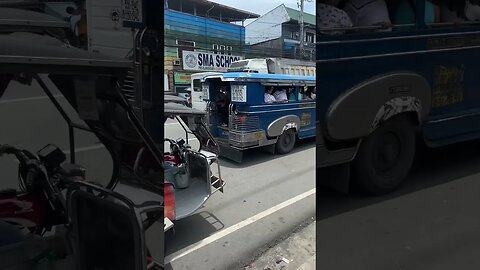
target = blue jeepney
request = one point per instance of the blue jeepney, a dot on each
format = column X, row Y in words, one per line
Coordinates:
column 249, row 122
column 377, row 88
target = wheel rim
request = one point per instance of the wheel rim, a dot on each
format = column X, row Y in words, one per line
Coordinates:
column 287, row 140
column 387, row 152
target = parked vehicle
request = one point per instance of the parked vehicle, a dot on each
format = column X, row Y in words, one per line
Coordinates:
column 274, row 66
column 198, row 95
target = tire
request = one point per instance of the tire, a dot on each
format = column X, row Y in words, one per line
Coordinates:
column 385, row 157
column 286, row 142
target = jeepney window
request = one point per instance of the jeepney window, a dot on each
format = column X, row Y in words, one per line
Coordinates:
column 455, row 13
column 336, row 17
column 303, row 72
column 284, row 94
column 403, row 12
column 215, row 48
column 197, row 85
column 222, row 49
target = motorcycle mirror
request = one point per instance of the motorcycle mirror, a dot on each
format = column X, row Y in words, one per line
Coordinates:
column 180, row 141
column 52, row 155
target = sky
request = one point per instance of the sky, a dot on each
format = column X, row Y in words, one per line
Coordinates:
column 261, row 7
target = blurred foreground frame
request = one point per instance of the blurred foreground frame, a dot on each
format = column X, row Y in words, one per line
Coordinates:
column 32, row 47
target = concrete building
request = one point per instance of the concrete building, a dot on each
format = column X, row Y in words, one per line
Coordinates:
column 201, row 36
column 278, row 32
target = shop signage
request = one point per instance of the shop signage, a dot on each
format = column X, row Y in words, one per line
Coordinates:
column 182, row 78
column 207, row 61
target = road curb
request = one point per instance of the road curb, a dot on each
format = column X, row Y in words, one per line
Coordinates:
column 295, row 252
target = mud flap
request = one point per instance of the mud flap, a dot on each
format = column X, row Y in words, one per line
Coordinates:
column 270, row 149
column 335, row 177
column 231, row 153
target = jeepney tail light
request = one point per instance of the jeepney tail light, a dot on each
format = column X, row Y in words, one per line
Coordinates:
column 169, row 201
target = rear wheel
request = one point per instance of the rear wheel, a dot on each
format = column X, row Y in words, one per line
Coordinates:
column 386, row 156
column 286, row 141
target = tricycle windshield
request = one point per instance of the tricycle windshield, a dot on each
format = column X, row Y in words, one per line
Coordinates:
column 192, row 122
column 91, row 84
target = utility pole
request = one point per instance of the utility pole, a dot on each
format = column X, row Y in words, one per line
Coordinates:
column 301, row 27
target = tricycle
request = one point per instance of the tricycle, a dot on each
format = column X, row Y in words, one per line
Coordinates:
column 191, row 175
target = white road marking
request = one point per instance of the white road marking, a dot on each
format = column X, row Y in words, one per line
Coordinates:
column 27, row 99
column 96, row 147
column 86, row 148
column 171, row 124
column 236, row 227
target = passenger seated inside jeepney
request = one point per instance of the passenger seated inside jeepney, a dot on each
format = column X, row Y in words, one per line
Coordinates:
column 301, row 92
column 309, row 93
column 280, row 95
column 472, row 10
column 314, row 93
column 452, row 11
column 331, row 16
column 292, row 95
column 404, row 12
column 268, row 96
column 369, row 13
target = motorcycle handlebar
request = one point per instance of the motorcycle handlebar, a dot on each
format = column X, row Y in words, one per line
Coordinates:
column 11, row 150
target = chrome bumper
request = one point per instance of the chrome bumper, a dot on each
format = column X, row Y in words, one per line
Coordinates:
column 246, row 139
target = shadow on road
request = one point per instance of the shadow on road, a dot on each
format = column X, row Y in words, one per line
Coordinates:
column 186, row 234
column 258, row 155
column 432, row 167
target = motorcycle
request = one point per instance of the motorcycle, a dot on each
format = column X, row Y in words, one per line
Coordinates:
column 38, row 205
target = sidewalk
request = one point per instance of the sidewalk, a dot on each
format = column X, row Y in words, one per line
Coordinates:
column 297, row 252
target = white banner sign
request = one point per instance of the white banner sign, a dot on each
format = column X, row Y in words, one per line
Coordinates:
column 132, row 10
column 207, row 61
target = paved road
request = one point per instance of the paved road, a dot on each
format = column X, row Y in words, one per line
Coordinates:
column 433, row 222
column 228, row 231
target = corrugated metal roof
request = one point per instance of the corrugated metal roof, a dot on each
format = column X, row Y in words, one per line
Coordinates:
column 295, row 15
column 229, row 14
